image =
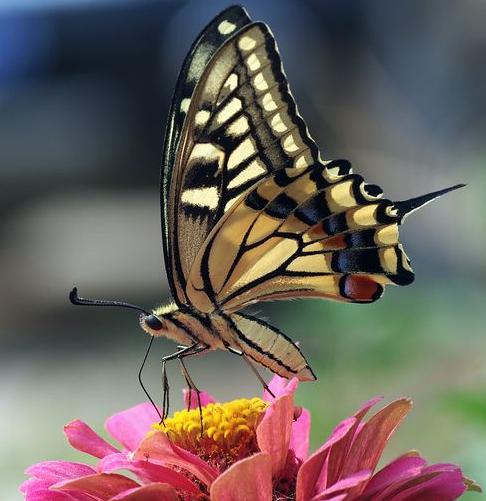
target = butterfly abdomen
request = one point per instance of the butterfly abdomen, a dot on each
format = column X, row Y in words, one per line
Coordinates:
column 264, row 344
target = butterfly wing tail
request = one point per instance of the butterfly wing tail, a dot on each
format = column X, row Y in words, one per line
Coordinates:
column 269, row 347
column 406, row 207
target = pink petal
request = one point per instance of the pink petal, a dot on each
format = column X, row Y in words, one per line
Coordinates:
column 157, row 448
column 85, row 439
column 279, row 386
column 405, row 466
column 36, row 489
column 130, row 427
column 33, row 484
column 300, row 435
column 248, row 479
column 339, row 452
column 436, row 482
column 368, row 445
column 54, row 471
column 148, row 472
column 365, row 408
column 312, row 468
column 48, row 495
column 273, row 432
column 190, row 397
column 152, row 492
column 113, row 462
column 344, row 486
column 101, row 486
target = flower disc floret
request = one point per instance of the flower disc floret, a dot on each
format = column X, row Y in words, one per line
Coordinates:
column 227, row 428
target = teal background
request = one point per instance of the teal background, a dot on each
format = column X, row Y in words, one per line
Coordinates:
column 395, row 87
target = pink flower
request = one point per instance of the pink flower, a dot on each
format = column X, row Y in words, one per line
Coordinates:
column 249, row 450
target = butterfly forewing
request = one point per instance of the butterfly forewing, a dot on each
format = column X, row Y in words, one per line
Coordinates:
column 241, row 125
column 206, row 45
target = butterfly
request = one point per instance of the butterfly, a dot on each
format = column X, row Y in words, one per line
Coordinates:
column 250, row 211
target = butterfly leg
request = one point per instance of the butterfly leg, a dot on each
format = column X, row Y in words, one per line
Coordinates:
column 252, row 367
column 140, row 371
column 165, row 380
column 190, row 382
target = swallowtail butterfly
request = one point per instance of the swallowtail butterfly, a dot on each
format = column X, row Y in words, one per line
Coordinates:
column 250, row 211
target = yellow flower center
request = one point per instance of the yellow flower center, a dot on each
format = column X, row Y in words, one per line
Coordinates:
column 228, row 429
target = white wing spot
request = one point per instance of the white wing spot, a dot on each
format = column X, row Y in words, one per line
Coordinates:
column 185, row 104
column 302, row 161
column 231, row 82
column 201, row 197
column 260, row 82
column 239, row 126
column 225, row 27
column 244, row 150
column 253, row 62
column 277, row 123
column 246, row 43
column 229, row 110
column 254, row 169
column 268, row 102
column 289, row 144
column 202, row 117
column 203, row 153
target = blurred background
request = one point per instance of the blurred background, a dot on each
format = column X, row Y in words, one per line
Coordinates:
column 85, row 86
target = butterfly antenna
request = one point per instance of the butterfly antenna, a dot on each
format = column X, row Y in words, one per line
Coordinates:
column 406, row 207
column 140, row 377
column 81, row 301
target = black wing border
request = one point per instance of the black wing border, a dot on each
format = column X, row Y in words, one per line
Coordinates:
column 202, row 50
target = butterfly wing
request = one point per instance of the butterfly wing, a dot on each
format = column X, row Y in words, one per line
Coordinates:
column 206, row 45
column 316, row 231
column 233, row 122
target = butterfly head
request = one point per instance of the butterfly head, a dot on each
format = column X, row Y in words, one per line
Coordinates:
column 153, row 324
column 158, row 323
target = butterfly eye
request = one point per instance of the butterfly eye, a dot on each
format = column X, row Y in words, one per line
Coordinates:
column 153, row 323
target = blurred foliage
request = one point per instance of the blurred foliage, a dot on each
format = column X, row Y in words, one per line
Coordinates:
column 469, row 405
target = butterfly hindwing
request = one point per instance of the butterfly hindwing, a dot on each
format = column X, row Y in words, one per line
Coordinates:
column 240, row 125
column 315, row 231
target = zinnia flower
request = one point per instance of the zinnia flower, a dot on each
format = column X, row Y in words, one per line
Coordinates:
column 249, row 449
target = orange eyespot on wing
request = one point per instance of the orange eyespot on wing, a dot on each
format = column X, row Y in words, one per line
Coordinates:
column 360, row 289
